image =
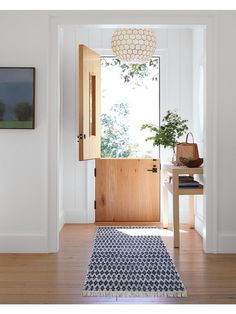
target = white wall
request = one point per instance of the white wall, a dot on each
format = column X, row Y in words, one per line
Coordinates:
column 24, row 191
column 177, row 87
column 199, row 59
column 77, row 198
column 175, row 50
column 226, row 153
column 23, row 153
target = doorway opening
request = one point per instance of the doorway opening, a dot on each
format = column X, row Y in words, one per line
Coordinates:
column 128, row 168
column 130, row 98
column 81, row 209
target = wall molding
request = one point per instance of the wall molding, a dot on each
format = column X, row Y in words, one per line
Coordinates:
column 165, row 18
column 27, row 243
column 199, row 224
column 61, row 220
column 227, row 243
column 76, row 216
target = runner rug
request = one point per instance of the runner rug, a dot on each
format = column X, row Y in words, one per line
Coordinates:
column 131, row 261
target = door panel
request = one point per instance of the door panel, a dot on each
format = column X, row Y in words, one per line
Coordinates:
column 89, row 103
column 127, row 191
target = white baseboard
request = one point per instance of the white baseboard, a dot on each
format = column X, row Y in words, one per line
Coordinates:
column 19, row 243
column 199, row 225
column 227, row 243
column 61, row 220
column 77, row 216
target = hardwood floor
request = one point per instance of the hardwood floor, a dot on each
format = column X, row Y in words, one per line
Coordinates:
column 58, row 278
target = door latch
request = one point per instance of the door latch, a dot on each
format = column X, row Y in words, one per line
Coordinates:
column 154, row 169
column 81, row 137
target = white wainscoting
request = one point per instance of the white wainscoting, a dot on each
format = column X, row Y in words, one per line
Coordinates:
column 20, row 243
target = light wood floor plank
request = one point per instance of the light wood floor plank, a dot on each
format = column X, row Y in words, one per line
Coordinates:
column 58, row 278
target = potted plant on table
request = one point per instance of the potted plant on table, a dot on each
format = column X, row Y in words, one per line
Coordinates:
column 171, row 129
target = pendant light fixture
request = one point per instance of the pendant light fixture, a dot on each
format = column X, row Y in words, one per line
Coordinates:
column 134, row 45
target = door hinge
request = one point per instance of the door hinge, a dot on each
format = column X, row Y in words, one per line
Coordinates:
column 95, row 172
column 95, row 204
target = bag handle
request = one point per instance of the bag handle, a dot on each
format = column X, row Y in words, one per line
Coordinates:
column 188, row 135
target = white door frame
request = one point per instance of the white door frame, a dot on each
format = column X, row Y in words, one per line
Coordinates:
column 149, row 19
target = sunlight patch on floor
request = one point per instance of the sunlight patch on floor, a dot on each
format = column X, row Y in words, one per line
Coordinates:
column 148, row 232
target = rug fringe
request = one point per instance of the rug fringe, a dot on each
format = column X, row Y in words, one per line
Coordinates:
column 173, row 294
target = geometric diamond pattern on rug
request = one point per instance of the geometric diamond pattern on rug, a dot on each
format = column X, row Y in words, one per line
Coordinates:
column 131, row 261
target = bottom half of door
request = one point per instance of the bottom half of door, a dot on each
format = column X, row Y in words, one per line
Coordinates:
column 127, row 190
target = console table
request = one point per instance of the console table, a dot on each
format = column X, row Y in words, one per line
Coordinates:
column 173, row 187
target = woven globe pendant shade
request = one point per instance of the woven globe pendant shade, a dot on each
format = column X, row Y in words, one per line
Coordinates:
column 133, row 45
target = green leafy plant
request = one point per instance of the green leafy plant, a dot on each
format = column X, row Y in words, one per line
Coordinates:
column 171, row 129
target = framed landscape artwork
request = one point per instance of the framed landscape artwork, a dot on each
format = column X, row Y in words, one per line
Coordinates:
column 17, row 97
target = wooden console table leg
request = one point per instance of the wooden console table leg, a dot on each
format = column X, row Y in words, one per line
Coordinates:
column 165, row 208
column 165, row 202
column 176, row 220
column 191, row 211
column 176, row 209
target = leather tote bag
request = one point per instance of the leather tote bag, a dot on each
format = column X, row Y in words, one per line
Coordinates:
column 186, row 150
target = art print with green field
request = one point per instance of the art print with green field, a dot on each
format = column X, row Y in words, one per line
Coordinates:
column 17, row 97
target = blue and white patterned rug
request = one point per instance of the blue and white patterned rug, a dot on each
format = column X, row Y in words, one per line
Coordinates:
column 131, row 261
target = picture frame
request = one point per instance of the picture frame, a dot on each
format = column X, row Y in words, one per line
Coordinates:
column 17, row 97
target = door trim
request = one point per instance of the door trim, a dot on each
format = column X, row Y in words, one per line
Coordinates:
column 106, row 19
